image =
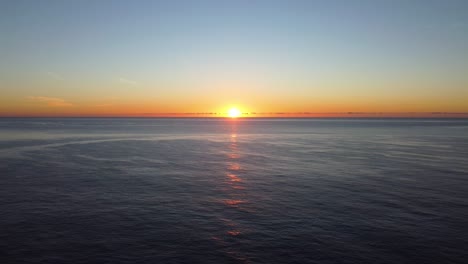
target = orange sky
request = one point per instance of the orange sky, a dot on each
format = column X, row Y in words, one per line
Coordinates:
column 324, row 107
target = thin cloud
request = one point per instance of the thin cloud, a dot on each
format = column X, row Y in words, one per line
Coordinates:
column 50, row 101
column 54, row 75
column 104, row 105
column 127, row 81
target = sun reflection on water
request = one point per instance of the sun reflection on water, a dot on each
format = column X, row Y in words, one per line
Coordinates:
column 233, row 201
column 234, row 182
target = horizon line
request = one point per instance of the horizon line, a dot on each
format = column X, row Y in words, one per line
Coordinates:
column 350, row 114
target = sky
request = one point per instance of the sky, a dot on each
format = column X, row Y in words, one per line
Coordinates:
column 150, row 58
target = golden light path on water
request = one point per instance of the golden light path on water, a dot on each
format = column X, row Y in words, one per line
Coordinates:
column 234, row 194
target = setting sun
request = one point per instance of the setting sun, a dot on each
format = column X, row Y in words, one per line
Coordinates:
column 234, row 112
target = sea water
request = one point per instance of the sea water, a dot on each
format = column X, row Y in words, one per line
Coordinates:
column 194, row 190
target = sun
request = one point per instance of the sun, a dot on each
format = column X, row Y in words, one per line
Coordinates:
column 234, row 112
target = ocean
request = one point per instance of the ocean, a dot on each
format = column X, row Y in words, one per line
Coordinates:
column 195, row 190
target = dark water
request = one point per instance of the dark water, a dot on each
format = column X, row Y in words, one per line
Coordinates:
column 233, row 191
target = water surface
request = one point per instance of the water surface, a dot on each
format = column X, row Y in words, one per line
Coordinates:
column 233, row 191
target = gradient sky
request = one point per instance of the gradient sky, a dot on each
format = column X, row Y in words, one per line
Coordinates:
column 148, row 57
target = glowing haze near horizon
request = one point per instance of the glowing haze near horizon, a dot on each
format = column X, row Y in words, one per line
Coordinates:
column 85, row 58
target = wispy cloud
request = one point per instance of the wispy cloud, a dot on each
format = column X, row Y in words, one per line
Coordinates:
column 54, row 75
column 50, row 101
column 127, row 81
column 104, row 105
